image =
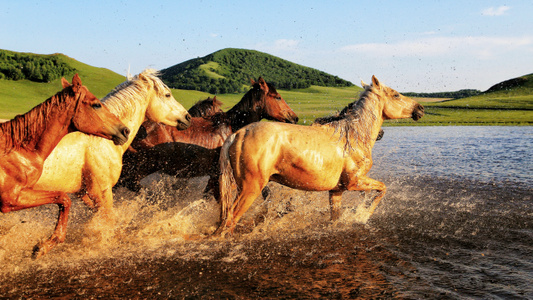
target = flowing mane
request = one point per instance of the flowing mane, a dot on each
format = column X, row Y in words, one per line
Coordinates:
column 205, row 108
column 352, row 120
column 18, row 132
column 123, row 99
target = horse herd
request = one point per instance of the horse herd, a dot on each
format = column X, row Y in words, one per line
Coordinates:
column 73, row 143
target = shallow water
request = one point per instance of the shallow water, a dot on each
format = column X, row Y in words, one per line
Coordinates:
column 446, row 229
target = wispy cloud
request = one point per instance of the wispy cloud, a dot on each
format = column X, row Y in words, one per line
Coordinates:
column 279, row 45
column 479, row 47
column 495, row 11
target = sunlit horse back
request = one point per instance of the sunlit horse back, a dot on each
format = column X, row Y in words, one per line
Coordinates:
column 333, row 156
column 27, row 140
column 194, row 151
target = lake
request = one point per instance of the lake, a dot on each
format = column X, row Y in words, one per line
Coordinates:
column 456, row 223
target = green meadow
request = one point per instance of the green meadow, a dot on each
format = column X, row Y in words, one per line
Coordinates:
column 18, row 97
column 510, row 106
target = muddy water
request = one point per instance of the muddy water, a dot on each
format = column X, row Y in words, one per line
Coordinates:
column 433, row 236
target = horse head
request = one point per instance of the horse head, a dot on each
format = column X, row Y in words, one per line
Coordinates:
column 205, row 108
column 92, row 117
column 395, row 105
column 163, row 108
column 274, row 106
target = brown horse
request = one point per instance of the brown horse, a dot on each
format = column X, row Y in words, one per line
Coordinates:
column 194, row 151
column 207, row 107
column 333, row 156
column 27, row 140
column 202, row 108
column 91, row 166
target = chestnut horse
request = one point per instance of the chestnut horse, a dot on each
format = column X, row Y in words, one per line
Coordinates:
column 334, row 155
column 27, row 140
column 202, row 108
column 90, row 166
column 194, row 152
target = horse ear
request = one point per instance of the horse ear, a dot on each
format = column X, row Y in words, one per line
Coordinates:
column 76, row 81
column 252, row 81
column 363, row 84
column 375, row 82
column 214, row 99
column 64, row 82
column 263, row 84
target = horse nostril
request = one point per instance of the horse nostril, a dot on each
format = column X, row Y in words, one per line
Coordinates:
column 126, row 131
column 188, row 117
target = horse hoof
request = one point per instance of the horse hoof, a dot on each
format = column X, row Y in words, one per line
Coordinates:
column 38, row 251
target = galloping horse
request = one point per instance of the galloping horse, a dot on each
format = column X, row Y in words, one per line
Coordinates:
column 27, row 140
column 202, row 108
column 90, row 166
column 194, row 152
column 333, row 156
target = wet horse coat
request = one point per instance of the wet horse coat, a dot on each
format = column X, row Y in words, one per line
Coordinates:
column 27, row 140
column 90, row 166
column 194, row 151
column 334, row 155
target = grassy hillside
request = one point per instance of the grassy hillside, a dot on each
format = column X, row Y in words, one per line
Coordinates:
column 19, row 96
column 229, row 70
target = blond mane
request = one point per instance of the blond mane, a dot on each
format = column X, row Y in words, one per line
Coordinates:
column 352, row 121
column 125, row 99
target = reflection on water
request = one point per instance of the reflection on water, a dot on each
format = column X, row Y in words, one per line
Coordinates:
column 442, row 231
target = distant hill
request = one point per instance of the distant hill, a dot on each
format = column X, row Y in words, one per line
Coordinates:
column 230, row 70
column 33, row 67
column 520, row 83
column 19, row 96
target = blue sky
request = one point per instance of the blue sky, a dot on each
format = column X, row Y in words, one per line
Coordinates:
column 422, row 46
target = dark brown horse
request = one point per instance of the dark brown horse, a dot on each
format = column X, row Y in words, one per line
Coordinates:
column 194, row 151
column 207, row 107
column 27, row 140
column 202, row 108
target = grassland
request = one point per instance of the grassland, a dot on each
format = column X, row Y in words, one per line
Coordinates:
column 311, row 103
column 510, row 106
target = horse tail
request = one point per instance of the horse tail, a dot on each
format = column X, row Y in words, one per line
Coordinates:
column 226, row 184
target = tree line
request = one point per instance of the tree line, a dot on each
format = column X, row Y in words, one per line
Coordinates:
column 19, row 66
column 451, row 95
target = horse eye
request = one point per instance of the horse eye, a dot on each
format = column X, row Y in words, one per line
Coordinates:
column 168, row 95
column 396, row 95
column 96, row 105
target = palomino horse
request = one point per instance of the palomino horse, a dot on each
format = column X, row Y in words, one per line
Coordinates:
column 90, row 166
column 27, row 140
column 194, row 152
column 334, row 156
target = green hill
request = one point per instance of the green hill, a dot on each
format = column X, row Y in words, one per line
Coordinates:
column 230, row 70
column 19, row 96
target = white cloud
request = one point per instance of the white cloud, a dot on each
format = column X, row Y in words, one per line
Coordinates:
column 495, row 11
column 479, row 47
column 284, row 44
column 213, row 35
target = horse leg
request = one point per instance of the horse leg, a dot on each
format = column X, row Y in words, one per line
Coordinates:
column 335, row 198
column 249, row 192
column 29, row 198
column 367, row 184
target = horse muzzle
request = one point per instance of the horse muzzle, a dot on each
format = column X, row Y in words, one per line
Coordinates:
column 418, row 112
column 122, row 137
column 182, row 125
